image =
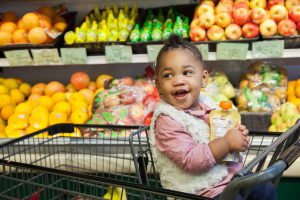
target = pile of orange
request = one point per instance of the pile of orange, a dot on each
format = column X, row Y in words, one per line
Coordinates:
column 31, row 28
column 293, row 92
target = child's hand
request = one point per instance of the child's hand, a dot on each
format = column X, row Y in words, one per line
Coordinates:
column 238, row 138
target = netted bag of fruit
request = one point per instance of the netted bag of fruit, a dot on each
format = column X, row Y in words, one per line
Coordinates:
column 262, row 88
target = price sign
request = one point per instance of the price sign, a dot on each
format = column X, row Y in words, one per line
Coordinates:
column 118, row 53
column 267, row 49
column 152, row 51
column 45, row 56
column 232, row 51
column 203, row 48
column 73, row 55
column 18, row 57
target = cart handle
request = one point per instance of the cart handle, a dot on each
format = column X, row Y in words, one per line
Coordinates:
column 291, row 154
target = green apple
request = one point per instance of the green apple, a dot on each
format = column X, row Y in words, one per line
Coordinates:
column 274, row 117
column 272, row 128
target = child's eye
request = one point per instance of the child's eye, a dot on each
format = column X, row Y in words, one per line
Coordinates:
column 187, row 73
column 167, row 75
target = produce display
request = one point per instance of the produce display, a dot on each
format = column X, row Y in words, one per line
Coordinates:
column 293, row 93
column 262, row 88
column 38, row 27
column 284, row 118
column 26, row 109
column 233, row 20
column 160, row 27
column 126, row 102
column 101, row 26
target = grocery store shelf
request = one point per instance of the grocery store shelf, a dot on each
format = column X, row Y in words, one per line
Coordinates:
column 143, row 58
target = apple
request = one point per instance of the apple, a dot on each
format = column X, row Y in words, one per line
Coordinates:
column 233, row 32
column 258, row 15
column 286, row 27
column 272, row 3
column 194, row 23
column 240, row 4
column 197, row 34
column 250, row 30
column 206, row 20
column 127, row 81
column 204, row 8
column 223, row 19
column 294, row 13
column 149, row 88
column 258, row 4
column 136, row 112
column 298, row 28
column 268, row 28
column 215, row 33
column 207, row 2
column 240, row 16
column 222, row 8
column 278, row 13
column 127, row 97
column 291, row 3
column 111, row 100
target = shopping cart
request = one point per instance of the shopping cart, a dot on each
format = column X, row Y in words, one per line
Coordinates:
column 47, row 165
column 266, row 160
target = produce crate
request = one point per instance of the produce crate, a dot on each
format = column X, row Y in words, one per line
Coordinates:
column 98, row 48
column 141, row 47
column 256, row 121
column 70, row 19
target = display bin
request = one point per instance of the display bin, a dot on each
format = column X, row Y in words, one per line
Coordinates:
column 257, row 121
column 290, row 42
column 265, row 160
column 57, row 42
column 98, row 48
column 141, row 47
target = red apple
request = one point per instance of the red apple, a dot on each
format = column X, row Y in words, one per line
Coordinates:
column 215, row 33
column 272, row 3
column 207, row 2
column 127, row 80
column 149, row 88
column 278, row 13
column 223, row 19
column 222, row 8
column 197, row 34
column 268, row 28
column 298, row 26
column 291, row 3
column 194, row 23
column 233, row 32
column 136, row 112
column 206, row 20
column 294, row 13
column 258, row 4
column 250, row 30
column 240, row 16
column 240, row 4
column 286, row 27
column 204, row 8
column 258, row 15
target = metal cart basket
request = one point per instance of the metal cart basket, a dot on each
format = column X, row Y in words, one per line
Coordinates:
column 266, row 160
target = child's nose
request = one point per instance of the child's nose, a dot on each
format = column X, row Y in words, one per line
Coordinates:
column 178, row 81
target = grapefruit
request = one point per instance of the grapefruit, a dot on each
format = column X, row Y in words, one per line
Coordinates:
column 80, row 80
column 54, row 87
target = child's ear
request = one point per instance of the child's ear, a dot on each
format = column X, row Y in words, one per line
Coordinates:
column 205, row 77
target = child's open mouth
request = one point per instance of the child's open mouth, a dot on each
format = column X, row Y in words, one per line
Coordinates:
column 180, row 94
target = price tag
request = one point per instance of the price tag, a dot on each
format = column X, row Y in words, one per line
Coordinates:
column 203, row 48
column 18, row 57
column 232, row 51
column 153, row 50
column 118, row 53
column 267, row 49
column 73, row 55
column 45, row 56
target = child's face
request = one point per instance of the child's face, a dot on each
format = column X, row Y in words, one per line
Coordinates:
column 180, row 77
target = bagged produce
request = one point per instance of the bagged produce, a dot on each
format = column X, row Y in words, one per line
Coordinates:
column 262, row 88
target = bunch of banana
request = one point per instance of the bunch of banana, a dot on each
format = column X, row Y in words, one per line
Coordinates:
column 115, row 193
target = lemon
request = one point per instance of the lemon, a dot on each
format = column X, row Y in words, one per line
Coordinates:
column 23, row 107
column 25, row 88
column 11, row 83
column 5, row 100
column 79, row 117
column 76, row 96
column 46, row 102
column 59, row 96
column 18, row 121
column 64, row 107
column 10, row 132
column 40, row 110
column 17, row 96
column 7, row 111
column 79, row 105
column 39, row 120
column 57, row 117
column 3, row 90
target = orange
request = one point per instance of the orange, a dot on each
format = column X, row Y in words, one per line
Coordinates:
column 38, row 120
column 18, row 121
column 64, row 107
column 30, row 20
column 38, row 110
column 70, row 88
column 88, row 94
column 9, row 27
column 11, row 83
column 5, row 100
column 92, row 86
column 226, row 105
column 30, row 129
column 57, row 117
column 38, row 88
column 46, row 102
column 54, row 87
column 60, row 26
column 20, row 36
column 7, row 111
column 297, row 91
column 17, row 96
column 14, row 133
column 20, row 24
column 23, row 107
column 58, row 97
column 33, row 100
column 79, row 117
column 76, row 96
column 10, row 16
column 101, row 79
column 25, row 88
column 37, row 35
column 5, row 38
column 45, row 21
column 48, row 11
column 79, row 105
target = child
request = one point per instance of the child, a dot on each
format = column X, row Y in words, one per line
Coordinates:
column 179, row 133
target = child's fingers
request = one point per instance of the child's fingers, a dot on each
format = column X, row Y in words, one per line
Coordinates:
column 245, row 132
column 242, row 127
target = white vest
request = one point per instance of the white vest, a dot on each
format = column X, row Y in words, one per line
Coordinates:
column 171, row 176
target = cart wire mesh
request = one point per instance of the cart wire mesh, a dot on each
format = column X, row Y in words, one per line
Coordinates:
column 266, row 148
